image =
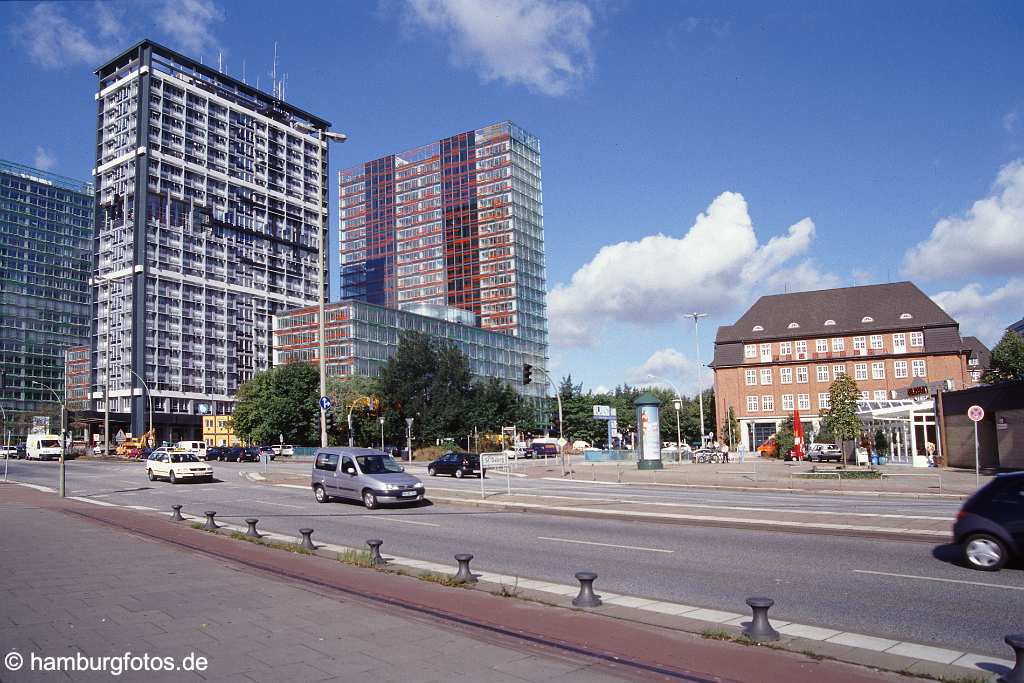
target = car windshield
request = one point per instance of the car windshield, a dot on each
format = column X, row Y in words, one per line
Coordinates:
column 49, row 443
column 378, row 464
column 183, row 457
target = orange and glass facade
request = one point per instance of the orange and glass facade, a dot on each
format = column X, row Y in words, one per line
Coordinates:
column 457, row 223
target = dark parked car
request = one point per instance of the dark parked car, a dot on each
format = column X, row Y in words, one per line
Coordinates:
column 542, row 449
column 232, row 454
column 990, row 526
column 22, row 450
column 215, row 453
column 456, row 464
column 250, row 454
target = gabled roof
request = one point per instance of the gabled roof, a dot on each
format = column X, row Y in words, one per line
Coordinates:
column 836, row 312
column 980, row 351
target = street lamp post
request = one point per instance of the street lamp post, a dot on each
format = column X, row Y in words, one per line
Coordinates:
column 408, row 437
column 382, row 432
column 322, row 135
column 63, row 429
column 7, row 442
column 700, row 374
column 109, row 280
column 150, row 394
column 558, row 396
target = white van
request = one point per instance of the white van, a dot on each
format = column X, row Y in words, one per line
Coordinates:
column 196, row 448
column 42, row 447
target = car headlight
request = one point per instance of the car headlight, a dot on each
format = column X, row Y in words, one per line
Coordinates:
column 390, row 487
column 418, row 485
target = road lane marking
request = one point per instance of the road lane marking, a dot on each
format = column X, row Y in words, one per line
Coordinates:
column 284, row 505
column 292, row 486
column 606, row 545
column 935, row 578
column 404, row 521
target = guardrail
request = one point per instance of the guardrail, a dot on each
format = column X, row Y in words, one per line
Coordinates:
column 938, row 477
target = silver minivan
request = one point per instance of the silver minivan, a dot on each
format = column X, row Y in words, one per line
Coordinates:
column 365, row 474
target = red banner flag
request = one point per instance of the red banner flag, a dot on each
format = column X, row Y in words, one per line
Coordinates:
column 798, row 434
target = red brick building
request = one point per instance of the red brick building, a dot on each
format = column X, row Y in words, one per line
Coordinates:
column 787, row 349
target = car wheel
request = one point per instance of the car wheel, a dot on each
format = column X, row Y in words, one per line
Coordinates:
column 369, row 500
column 171, row 478
column 984, row 552
column 209, row 479
column 149, row 474
column 458, row 474
column 431, row 471
column 320, row 495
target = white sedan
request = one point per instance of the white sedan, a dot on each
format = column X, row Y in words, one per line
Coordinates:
column 177, row 466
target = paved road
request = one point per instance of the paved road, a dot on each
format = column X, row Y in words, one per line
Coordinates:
column 817, row 579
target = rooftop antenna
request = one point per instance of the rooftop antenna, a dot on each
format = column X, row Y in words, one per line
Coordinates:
column 243, row 73
column 220, row 62
column 273, row 72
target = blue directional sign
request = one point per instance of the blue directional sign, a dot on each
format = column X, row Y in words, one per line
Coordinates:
column 325, row 403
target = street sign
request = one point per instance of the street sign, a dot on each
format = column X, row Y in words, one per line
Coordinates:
column 976, row 413
column 325, row 403
column 120, row 438
column 493, row 460
column 602, row 411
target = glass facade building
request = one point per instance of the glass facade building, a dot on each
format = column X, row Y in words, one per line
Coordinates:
column 361, row 337
column 458, row 222
column 211, row 212
column 46, row 227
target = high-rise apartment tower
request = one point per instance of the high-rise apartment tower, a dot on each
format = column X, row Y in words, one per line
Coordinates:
column 209, row 207
column 458, row 222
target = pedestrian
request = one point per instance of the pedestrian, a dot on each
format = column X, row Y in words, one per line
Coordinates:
column 725, row 453
column 742, row 452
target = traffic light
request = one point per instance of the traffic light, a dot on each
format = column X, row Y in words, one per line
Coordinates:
column 527, row 373
column 329, row 417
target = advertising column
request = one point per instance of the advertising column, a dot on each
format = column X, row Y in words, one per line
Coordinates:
column 648, row 427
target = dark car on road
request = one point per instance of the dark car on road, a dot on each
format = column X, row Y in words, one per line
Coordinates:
column 456, row 464
column 232, row 454
column 250, row 454
column 215, row 453
column 542, row 449
column 990, row 526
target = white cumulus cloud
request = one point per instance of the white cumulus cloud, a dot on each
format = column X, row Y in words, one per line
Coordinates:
column 987, row 240
column 667, row 367
column 44, row 160
column 984, row 314
column 542, row 44
column 189, row 25
column 713, row 267
column 54, row 41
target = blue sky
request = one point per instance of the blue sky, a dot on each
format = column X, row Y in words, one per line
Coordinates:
column 820, row 145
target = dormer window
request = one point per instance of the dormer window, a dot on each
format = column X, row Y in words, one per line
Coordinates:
column 793, row 326
column 906, row 316
column 829, row 322
column 757, row 328
column 867, row 319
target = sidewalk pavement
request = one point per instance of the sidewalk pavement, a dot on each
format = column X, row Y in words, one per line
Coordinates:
column 78, row 579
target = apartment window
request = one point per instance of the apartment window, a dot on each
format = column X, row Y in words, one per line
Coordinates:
column 976, row 375
column 879, row 394
column 899, row 343
column 859, row 343
column 767, row 403
column 803, row 401
column 785, row 348
column 823, row 400
column 787, row 401
column 822, row 372
column 766, row 375
column 878, row 370
column 860, row 370
column 751, row 377
column 917, row 339
column 899, row 369
column 821, row 345
column 838, row 344
column 752, row 404
column 801, row 375
column 837, row 370
column 919, row 368
column 800, row 347
column 876, row 341
column 766, row 352
column 865, row 395
column 750, row 350
column 786, row 375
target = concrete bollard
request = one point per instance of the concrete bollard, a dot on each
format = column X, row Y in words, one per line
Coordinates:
column 210, row 524
column 586, row 597
column 176, row 515
column 252, row 533
column 375, row 557
column 307, row 539
column 464, row 575
column 760, row 629
column 1016, row 641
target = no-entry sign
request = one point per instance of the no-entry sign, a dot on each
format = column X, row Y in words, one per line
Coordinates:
column 976, row 413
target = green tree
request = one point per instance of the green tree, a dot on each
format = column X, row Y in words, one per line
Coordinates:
column 280, row 401
column 1007, row 360
column 344, row 391
column 732, row 429
column 841, row 417
column 785, row 438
